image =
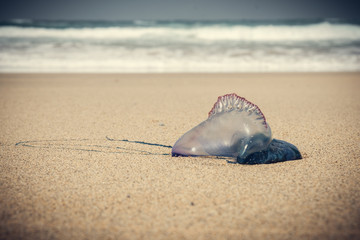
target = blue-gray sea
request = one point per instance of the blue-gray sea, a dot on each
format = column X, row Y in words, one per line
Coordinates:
column 180, row 46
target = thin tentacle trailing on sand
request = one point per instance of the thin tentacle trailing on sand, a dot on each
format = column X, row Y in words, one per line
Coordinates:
column 235, row 128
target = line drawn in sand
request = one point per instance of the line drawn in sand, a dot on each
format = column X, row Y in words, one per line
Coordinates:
column 107, row 145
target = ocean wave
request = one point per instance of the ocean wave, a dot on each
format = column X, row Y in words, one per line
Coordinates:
column 72, row 57
column 178, row 46
column 260, row 33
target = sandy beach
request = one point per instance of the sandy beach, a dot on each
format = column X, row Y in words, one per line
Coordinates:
column 65, row 174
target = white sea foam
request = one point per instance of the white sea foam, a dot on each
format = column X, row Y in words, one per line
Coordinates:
column 320, row 31
column 147, row 47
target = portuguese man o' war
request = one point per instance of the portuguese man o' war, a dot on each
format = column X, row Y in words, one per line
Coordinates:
column 235, row 128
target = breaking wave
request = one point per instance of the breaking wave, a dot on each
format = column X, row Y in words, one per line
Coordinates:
column 178, row 46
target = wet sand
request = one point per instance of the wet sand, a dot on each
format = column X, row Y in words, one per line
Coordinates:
column 65, row 175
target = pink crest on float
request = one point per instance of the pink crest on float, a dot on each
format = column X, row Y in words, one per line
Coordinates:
column 231, row 102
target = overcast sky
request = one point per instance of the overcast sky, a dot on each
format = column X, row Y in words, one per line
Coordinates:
column 177, row 9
